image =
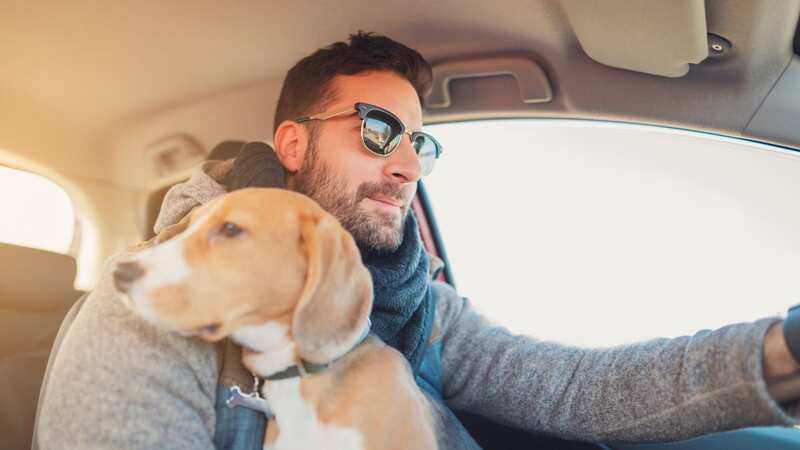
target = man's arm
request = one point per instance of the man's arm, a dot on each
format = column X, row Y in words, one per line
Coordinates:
column 117, row 382
column 781, row 371
column 660, row 390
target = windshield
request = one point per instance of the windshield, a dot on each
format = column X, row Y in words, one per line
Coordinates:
column 596, row 234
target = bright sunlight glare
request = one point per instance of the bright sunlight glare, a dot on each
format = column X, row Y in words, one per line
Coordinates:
column 598, row 234
column 36, row 212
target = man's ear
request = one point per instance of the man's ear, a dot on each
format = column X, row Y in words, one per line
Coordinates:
column 291, row 142
column 337, row 297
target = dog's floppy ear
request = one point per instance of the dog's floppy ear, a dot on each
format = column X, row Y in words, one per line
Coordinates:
column 337, row 296
column 175, row 229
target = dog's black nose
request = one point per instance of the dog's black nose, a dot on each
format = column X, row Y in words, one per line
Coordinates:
column 126, row 273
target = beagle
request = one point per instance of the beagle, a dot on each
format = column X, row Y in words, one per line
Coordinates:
column 280, row 276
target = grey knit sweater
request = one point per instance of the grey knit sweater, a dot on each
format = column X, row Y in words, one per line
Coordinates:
column 117, row 382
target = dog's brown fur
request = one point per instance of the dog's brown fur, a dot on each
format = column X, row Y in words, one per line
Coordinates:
column 292, row 264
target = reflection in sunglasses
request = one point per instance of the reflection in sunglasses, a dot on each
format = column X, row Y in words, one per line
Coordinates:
column 382, row 131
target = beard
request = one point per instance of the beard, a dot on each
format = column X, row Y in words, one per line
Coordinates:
column 374, row 230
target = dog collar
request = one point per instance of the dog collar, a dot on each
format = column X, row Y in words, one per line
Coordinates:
column 256, row 402
column 306, row 368
column 303, row 369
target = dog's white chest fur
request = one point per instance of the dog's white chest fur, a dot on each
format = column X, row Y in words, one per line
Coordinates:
column 275, row 351
column 298, row 424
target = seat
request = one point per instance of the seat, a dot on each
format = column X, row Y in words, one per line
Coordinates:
column 52, row 322
column 223, row 150
column 36, row 291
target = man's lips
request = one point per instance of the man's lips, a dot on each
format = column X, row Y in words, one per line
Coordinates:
column 387, row 201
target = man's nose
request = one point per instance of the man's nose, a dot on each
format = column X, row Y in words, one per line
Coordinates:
column 126, row 273
column 403, row 164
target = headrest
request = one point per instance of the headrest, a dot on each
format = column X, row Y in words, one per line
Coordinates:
column 223, row 150
column 36, row 279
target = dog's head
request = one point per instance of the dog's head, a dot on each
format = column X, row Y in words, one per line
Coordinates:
column 251, row 257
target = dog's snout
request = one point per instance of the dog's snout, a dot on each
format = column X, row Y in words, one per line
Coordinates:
column 126, row 273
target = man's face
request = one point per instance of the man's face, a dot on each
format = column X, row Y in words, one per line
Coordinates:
column 369, row 194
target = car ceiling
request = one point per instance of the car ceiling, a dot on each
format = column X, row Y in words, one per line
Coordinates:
column 77, row 76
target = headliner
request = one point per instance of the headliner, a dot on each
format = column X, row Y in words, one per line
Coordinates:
column 77, row 75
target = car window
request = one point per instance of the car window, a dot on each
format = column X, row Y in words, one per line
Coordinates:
column 597, row 234
column 36, row 212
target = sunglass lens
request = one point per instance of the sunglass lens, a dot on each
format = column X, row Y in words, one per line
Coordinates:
column 427, row 151
column 381, row 133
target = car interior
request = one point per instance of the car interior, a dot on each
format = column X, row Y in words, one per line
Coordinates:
column 118, row 102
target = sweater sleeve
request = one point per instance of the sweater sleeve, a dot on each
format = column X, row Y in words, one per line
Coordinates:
column 118, row 382
column 659, row 390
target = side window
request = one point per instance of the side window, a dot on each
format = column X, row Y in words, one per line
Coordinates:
column 597, row 234
column 35, row 212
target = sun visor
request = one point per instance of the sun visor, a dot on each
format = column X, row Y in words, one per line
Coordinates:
column 658, row 37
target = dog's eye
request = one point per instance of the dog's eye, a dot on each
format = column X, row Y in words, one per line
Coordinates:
column 230, row 230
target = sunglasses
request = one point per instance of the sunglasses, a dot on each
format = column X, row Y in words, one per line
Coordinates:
column 382, row 132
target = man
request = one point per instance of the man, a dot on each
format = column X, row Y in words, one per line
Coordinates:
column 118, row 383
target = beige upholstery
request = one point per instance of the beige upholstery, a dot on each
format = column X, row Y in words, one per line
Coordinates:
column 36, row 290
column 650, row 36
column 223, row 150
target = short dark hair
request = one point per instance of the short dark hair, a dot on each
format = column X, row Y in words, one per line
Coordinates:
column 307, row 85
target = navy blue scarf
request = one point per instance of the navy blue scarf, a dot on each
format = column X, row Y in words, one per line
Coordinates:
column 403, row 309
column 402, row 312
